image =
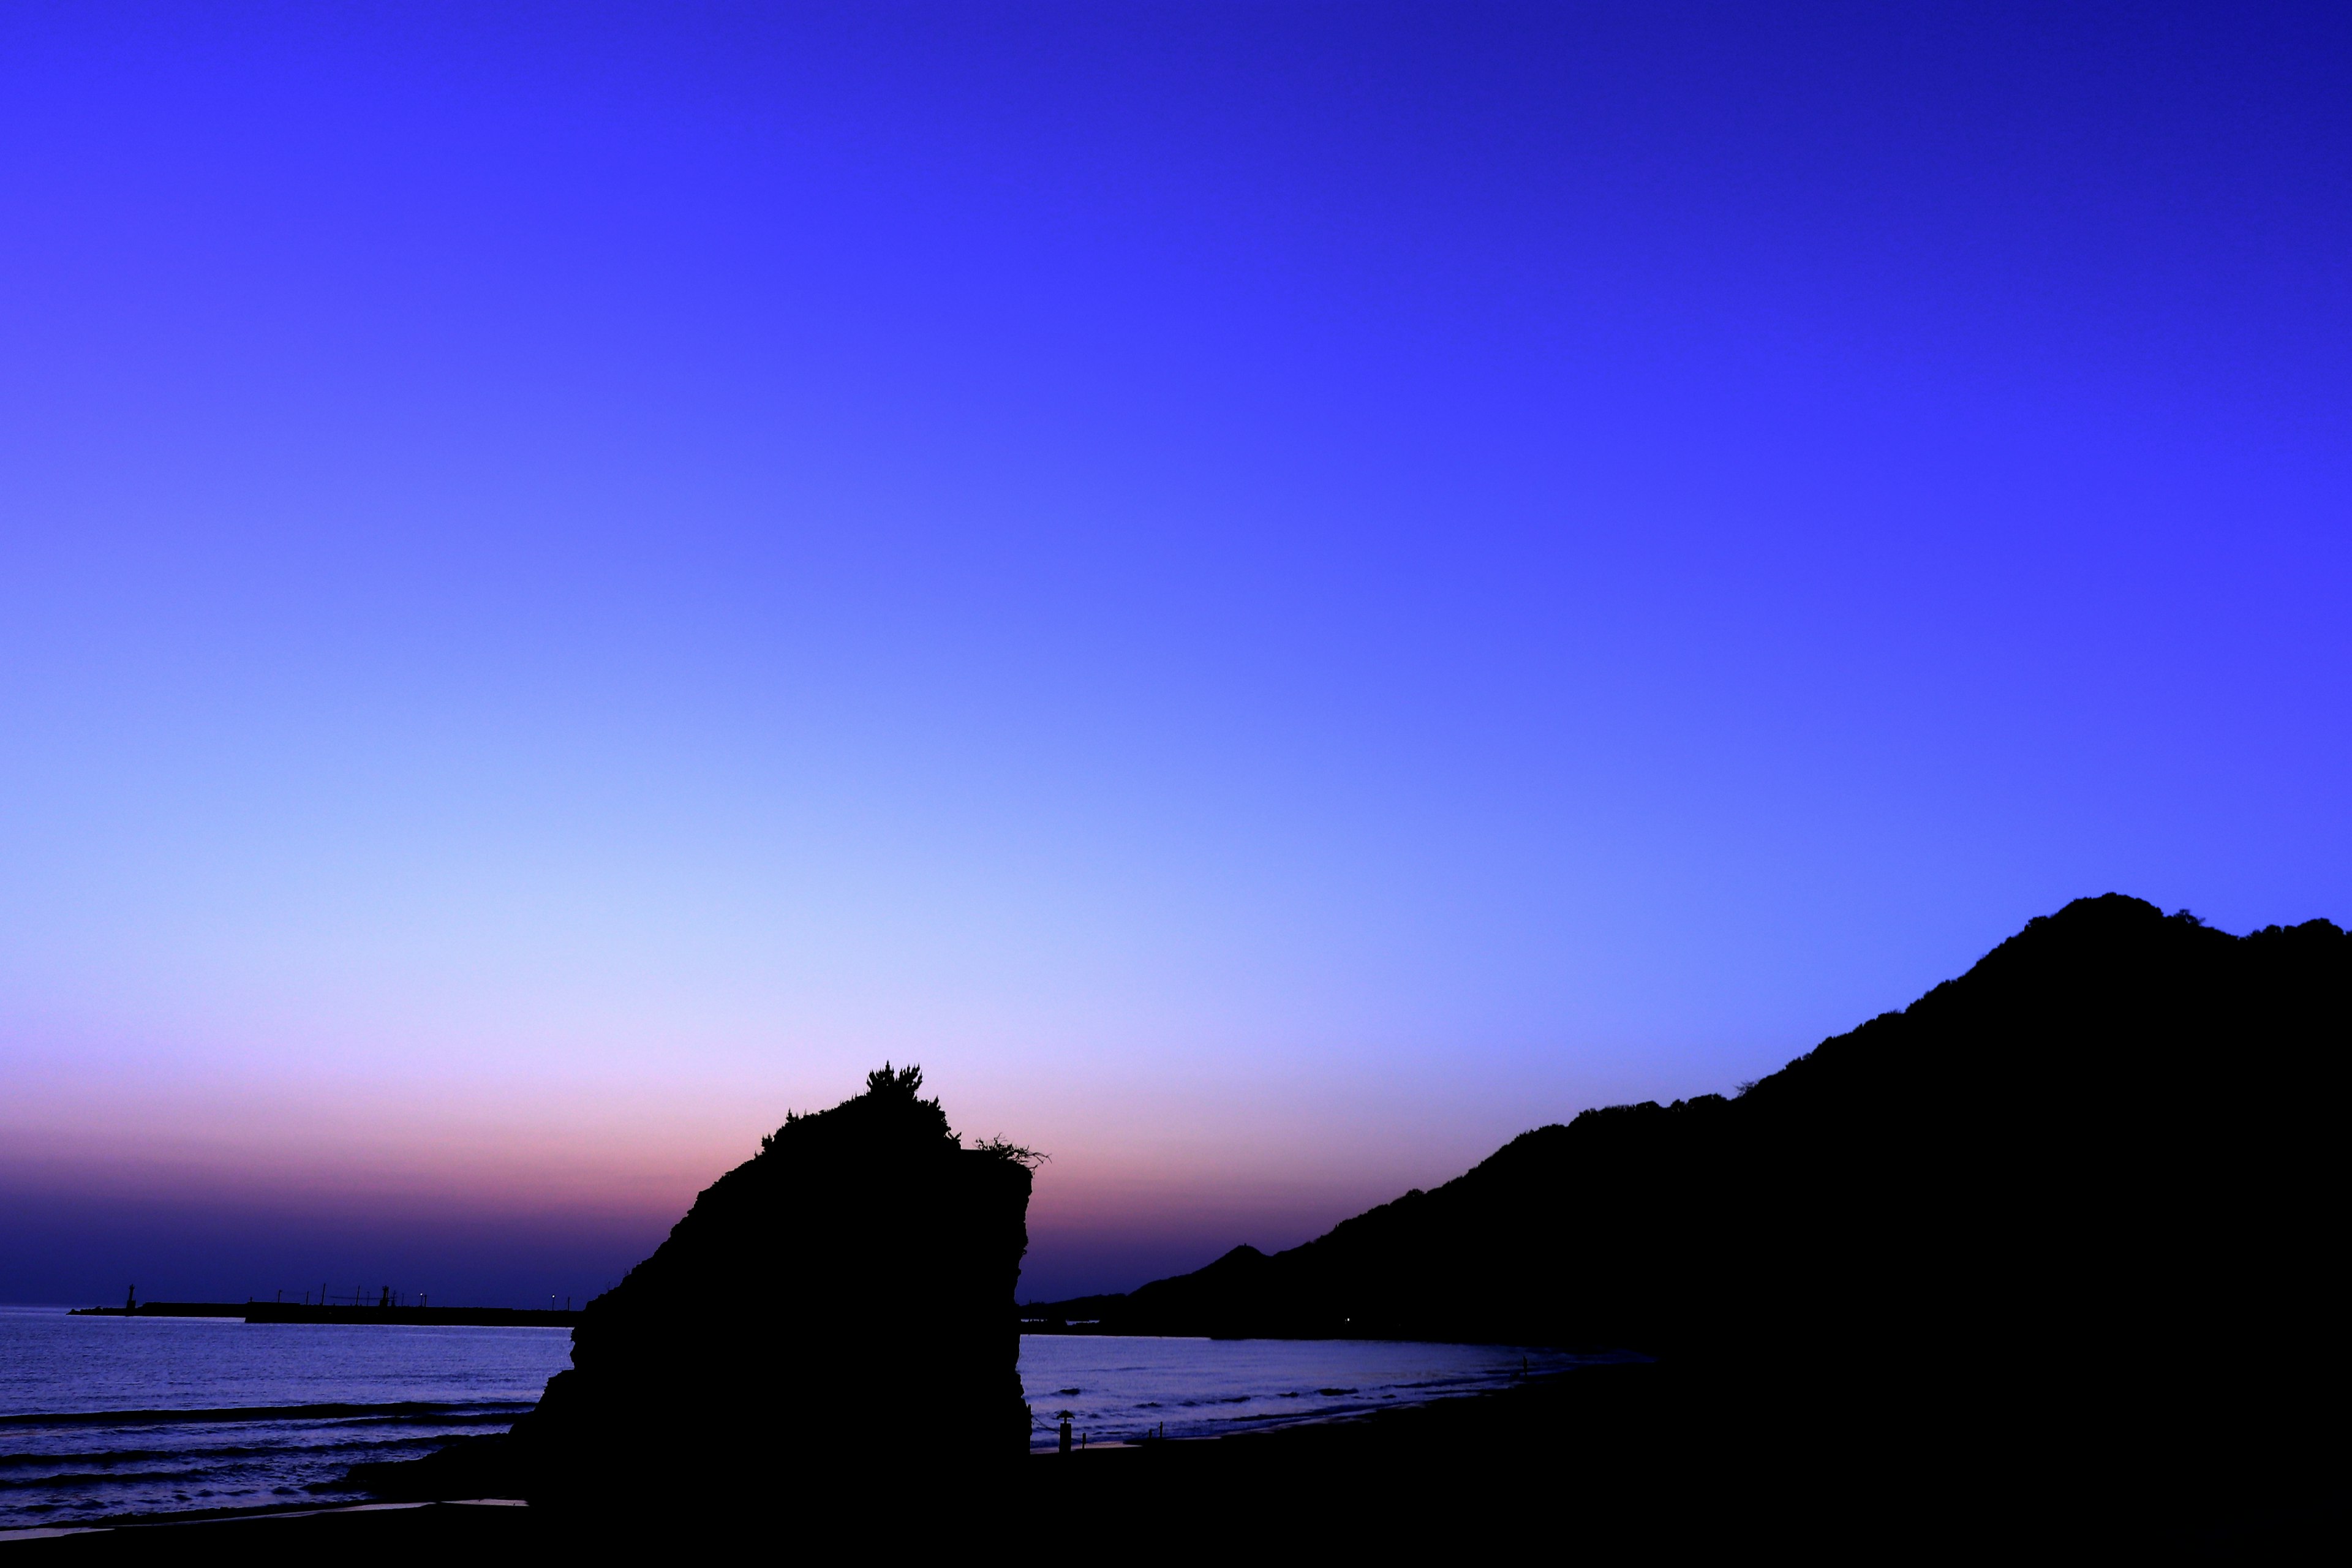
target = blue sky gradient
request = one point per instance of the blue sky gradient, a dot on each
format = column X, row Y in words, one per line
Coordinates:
column 1276, row 594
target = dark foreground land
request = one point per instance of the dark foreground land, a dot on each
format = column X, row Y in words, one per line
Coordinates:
column 1611, row 1463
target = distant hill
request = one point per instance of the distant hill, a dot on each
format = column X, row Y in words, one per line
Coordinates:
column 2113, row 1149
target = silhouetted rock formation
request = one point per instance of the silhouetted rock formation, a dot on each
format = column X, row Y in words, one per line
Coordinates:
column 2099, row 1177
column 724, row 1367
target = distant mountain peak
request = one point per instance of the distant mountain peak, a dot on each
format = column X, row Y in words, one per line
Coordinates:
column 2109, row 1078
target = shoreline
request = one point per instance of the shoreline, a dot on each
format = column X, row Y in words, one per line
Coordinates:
column 470, row 1461
column 1642, row 1459
column 1274, row 1429
column 237, row 1516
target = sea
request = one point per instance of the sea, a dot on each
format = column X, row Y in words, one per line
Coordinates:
column 112, row 1417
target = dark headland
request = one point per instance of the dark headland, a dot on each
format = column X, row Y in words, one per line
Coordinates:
column 2047, row 1257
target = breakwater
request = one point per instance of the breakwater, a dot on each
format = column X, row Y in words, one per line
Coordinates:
column 296, row 1312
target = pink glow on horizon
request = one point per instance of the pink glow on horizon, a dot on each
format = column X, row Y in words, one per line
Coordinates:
column 1114, row 1204
column 1277, row 594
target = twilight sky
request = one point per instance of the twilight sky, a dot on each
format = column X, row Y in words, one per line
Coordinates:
column 1276, row 594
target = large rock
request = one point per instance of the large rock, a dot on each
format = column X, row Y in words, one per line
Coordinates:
column 839, row 1306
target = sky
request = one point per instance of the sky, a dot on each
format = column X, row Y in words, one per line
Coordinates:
column 1276, row 594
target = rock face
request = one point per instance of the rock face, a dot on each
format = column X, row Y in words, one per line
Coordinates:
column 842, row 1304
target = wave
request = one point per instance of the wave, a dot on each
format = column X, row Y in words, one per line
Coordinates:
column 403, row 1409
column 108, row 1456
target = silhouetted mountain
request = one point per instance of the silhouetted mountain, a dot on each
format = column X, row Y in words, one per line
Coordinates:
column 2105, row 1162
column 724, row 1365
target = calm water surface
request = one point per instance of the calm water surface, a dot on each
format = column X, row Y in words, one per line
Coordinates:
column 114, row 1415
column 106, row 1416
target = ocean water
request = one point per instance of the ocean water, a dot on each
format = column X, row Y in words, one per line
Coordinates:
column 1119, row 1389
column 101, row 1417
